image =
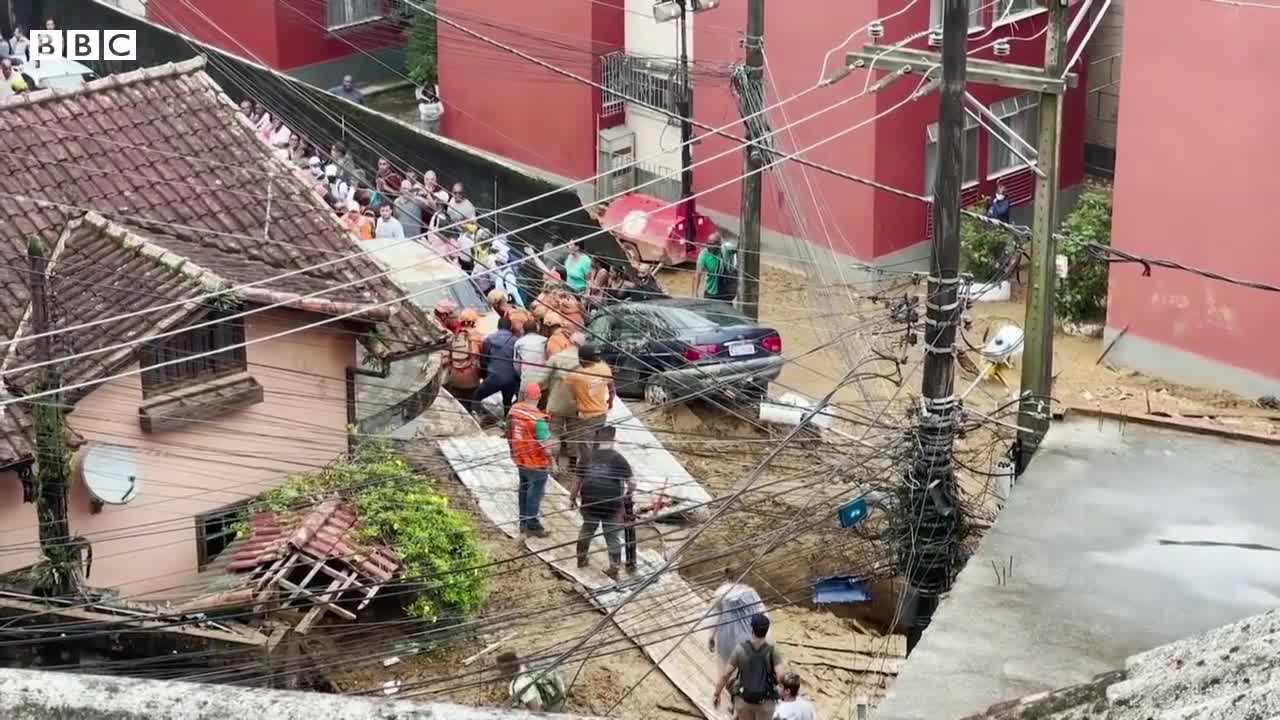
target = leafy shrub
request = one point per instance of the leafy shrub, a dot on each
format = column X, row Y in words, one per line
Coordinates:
column 983, row 248
column 400, row 507
column 421, row 56
column 1082, row 294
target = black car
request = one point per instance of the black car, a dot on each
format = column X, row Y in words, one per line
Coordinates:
column 673, row 348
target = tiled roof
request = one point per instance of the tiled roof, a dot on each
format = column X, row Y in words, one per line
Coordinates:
column 163, row 150
column 326, row 530
column 1229, row 673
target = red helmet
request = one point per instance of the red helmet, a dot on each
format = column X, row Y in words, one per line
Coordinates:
column 446, row 308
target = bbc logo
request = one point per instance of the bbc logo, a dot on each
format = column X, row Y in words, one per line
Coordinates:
column 85, row 44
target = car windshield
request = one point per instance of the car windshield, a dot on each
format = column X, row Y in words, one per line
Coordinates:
column 460, row 290
column 62, row 82
column 701, row 318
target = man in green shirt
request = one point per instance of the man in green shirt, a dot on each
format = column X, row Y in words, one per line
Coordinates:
column 706, row 277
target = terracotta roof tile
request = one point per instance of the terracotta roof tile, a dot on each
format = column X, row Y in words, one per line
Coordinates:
column 132, row 135
column 325, row 530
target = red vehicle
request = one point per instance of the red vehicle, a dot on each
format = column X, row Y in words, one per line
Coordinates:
column 652, row 230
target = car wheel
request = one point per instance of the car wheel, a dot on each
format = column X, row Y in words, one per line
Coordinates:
column 656, row 394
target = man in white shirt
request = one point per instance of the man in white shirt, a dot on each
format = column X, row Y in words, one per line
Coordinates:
column 792, row 706
column 388, row 228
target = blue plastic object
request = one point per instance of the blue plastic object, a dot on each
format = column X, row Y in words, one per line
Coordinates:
column 840, row 589
column 853, row 513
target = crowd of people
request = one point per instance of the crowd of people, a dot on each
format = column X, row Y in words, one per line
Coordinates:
column 15, row 52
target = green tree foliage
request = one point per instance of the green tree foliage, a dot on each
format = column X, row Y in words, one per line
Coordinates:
column 401, row 508
column 1082, row 294
column 422, row 54
column 983, row 248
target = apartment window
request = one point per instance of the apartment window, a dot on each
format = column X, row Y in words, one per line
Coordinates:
column 1022, row 114
column 224, row 341
column 1005, row 9
column 970, row 154
column 217, row 529
column 350, row 12
column 975, row 13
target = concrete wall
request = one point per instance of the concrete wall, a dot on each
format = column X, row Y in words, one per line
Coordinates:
column 657, row 142
column 1193, row 186
column 149, row 545
column 1104, row 91
column 35, row 695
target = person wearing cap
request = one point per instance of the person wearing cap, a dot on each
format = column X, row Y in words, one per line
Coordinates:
column 559, row 333
column 594, row 393
column 357, row 221
column 446, row 313
column 557, row 396
column 753, row 672
column 529, row 436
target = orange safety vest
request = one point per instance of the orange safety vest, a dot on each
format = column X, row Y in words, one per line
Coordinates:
column 526, row 450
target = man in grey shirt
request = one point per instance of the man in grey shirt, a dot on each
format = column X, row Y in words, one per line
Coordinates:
column 410, row 207
column 460, row 208
column 388, row 228
column 349, row 91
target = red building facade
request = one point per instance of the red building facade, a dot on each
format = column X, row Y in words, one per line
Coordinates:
column 1174, row 324
column 314, row 40
column 509, row 106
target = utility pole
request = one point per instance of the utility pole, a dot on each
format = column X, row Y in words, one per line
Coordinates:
column 753, row 178
column 1037, row 357
column 686, row 127
column 927, row 557
column 62, row 574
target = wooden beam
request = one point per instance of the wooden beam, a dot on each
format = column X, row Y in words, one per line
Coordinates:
column 256, row 639
column 892, row 645
column 987, row 72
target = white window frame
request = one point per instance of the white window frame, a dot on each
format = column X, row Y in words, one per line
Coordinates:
column 1008, row 110
column 998, row 11
column 930, row 145
column 350, row 9
column 976, row 19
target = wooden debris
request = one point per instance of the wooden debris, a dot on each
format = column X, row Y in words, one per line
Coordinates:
column 490, row 648
column 892, row 646
column 853, row 662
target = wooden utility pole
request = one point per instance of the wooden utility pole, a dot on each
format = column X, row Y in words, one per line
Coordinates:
column 1037, row 357
column 753, row 178
column 61, row 576
column 927, row 558
column 685, row 108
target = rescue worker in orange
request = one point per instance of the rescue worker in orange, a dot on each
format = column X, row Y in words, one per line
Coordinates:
column 463, row 365
column 502, row 305
column 529, row 435
column 561, row 333
column 446, row 312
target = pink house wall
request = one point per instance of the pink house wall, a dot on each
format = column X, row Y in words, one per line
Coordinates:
column 149, row 545
column 1195, row 183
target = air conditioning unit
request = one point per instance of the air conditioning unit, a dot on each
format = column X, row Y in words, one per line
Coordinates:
column 615, row 155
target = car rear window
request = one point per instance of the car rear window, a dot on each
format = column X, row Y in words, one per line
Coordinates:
column 702, row 319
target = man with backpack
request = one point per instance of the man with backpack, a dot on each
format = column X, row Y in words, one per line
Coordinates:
column 464, row 360
column 715, row 278
column 753, row 672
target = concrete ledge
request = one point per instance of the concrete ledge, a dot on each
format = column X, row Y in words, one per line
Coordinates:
column 34, row 695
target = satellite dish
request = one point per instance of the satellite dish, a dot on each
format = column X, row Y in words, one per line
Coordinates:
column 1005, row 346
column 110, row 473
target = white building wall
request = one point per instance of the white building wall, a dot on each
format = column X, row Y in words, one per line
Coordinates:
column 657, row 143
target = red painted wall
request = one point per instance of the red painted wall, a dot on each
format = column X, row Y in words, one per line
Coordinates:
column 282, row 34
column 902, row 222
column 247, row 29
column 1195, row 178
column 302, row 37
column 836, row 214
column 512, row 107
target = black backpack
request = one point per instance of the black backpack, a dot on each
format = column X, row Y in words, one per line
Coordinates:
column 757, row 676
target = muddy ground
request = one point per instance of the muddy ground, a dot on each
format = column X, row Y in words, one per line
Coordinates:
column 533, row 611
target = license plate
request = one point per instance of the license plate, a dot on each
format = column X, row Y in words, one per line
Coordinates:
column 740, row 349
